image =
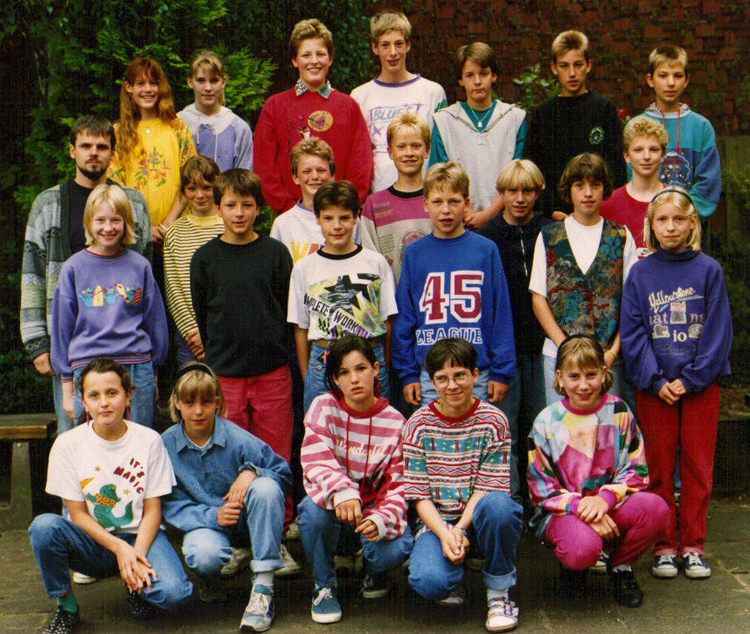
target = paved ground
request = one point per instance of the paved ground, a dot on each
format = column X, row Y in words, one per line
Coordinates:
column 720, row 604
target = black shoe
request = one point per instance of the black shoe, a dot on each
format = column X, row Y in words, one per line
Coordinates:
column 140, row 609
column 626, row 589
column 63, row 623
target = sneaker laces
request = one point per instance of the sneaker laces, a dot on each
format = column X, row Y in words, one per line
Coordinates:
column 694, row 559
column 324, row 594
column 502, row 605
column 665, row 560
column 259, row 603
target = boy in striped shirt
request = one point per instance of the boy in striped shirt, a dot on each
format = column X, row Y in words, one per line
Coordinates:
column 457, row 474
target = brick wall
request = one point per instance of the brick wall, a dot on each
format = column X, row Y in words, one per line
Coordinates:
column 716, row 35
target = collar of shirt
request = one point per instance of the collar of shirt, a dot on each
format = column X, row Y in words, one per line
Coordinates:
column 300, row 88
column 218, row 437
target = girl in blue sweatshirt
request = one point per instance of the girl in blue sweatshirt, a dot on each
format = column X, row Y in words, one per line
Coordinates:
column 676, row 332
column 107, row 304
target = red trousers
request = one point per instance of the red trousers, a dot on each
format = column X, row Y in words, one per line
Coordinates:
column 691, row 425
column 262, row 405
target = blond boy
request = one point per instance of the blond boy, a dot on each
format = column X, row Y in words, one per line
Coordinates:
column 692, row 159
column 645, row 145
column 394, row 90
column 576, row 121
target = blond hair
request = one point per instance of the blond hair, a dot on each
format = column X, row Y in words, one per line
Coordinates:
column 200, row 382
column 312, row 146
column 570, row 41
column 581, row 351
column 448, row 175
column 409, row 122
column 520, row 174
column 308, row 30
column 643, row 126
column 210, row 63
column 389, row 20
column 115, row 197
column 681, row 199
column 667, row 54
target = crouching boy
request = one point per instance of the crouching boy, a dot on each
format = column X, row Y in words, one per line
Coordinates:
column 230, row 492
column 457, row 473
column 353, row 476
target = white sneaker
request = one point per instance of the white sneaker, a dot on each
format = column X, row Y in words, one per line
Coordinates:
column 240, row 560
column 600, row 567
column 291, row 567
column 83, row 580
column 502, row 615
column 455, row 599
column 694, row 566
column 292, row 533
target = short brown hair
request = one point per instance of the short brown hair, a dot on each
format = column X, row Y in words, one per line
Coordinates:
column 389, row 20
column 409, row 121
column 336, row 194
column 584, row 167
column 198, row 166
column 667, row 54
column 94, row 125
column 241, row 181
column 114, row 196
column 479, row 53
column 582, row 351
column 570, row 41
column 643, row 126
column 450, row 175
column 453, row 350
column 307, row 30
column 312, row 146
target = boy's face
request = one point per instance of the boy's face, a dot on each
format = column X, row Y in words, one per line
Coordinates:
column 587, row 196
column 91, row 154
column 391, row 50
column 477, row 82
column 312, row 172
column 571, row 70
column 408, row 152
column 447, row 209
column 200, row 196
column 519, row 204
column 337, row 226
column 238, row 213
column 644, row 155
column 313, row 61
column 207, row 87
column 454, row 384
column 669, row 82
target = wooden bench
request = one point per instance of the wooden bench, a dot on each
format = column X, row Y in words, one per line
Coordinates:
column 31, row 435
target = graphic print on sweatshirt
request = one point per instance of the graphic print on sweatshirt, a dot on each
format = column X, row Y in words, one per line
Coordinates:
column 94, row 297
column 347, row 304
column 672, row 321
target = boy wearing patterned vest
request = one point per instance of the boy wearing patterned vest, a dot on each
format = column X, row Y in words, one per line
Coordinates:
column 580, row 265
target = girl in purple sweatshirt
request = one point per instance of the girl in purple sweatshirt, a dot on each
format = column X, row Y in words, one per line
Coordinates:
column 676, row 332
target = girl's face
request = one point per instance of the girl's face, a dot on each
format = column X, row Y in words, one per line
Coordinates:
column 587, row 196
column 107, row 229
column 583, row 386
column 145, row 94
column 207, row 87
column 672, row 227
column 356, row 380
column 198, row 414
column 312, row 61
column 200, row 197
column 105, row 401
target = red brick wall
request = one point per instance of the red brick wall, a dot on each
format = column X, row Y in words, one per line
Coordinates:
column 716, row 35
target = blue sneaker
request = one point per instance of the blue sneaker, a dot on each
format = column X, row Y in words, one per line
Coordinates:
column 694, row 566
column 325, row 606
column 665, row 566
column 260, row 610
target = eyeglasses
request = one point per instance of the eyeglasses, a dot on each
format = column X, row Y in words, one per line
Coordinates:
column 459, row 378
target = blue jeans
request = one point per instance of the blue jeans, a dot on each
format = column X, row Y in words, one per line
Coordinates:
column 618, row 372
column 497, row 521
column 429, row 393
column 59, row 546
column 315, row 379
column 64, row 422
column 320, row 530
column 207, row 550
column 142, row 399
column 524, row 401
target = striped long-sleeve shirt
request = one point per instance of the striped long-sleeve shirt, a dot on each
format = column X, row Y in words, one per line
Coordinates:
column 350, row 455
column 183, row 238
column 573, row 454
column 448, row 459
